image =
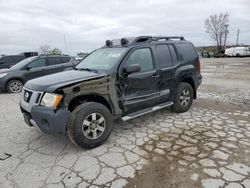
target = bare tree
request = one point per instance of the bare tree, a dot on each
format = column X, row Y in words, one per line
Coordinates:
column 216, row 26
column 44, row 49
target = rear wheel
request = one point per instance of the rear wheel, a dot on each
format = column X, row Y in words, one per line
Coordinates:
column 183, row 98
column 14, row 86
column 90, row 125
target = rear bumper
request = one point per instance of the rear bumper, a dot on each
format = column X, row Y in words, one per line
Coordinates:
column 197, row 80
column 46, row 119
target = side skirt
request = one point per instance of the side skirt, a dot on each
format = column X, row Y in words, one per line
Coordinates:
column 146, row 111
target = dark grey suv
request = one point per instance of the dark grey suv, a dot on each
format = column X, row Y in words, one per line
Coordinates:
column 13, row 79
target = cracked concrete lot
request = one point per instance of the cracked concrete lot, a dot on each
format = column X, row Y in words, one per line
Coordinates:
column 208, row 146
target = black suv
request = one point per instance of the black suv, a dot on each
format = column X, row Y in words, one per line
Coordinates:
column 10, row 60
column 12, row 79
column 124, row 79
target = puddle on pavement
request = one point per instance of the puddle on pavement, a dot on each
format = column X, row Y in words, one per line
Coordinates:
column 174, row 158
column 223, row 69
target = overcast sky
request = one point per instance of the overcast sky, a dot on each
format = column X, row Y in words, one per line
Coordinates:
column 27, row 24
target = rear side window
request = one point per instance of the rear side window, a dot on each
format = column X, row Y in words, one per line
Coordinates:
column 187, row 51
column 164, row 56
column 18, row 58
column 54, row 61
column 8, row 59
column 143, row 57
column 65, row 59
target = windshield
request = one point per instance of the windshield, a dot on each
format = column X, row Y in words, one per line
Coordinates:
column 22, row 63
column 102, row 59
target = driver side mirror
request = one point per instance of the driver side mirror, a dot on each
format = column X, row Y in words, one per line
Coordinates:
column 28, row 68
column 132, row 69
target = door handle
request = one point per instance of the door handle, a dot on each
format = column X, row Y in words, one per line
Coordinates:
column 156, row 75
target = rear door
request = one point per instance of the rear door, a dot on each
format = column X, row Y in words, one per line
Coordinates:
column 167, row 61
column 141, row 89
column 55, row 65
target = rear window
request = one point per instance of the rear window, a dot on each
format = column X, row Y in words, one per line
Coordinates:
column 187, row 51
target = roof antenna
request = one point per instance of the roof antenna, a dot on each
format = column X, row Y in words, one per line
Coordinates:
column 65, row 43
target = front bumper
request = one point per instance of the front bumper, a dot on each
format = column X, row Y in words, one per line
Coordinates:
column 2, row 85
column 46, row 119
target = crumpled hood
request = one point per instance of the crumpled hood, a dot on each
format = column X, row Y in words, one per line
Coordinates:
column 51, row 82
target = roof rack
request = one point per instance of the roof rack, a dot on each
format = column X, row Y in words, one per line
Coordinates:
column 139, row 39
column 167, row 38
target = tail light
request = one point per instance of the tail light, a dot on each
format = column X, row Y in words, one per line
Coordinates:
column 198, row 66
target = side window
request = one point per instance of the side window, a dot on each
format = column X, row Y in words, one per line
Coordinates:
column 173, row 54
column 65, row 59
column 54, row 61
column 143, row 57
column 7, row 59
column 2, row 60
column 18, row 59
column 37, row 63
column 164, row 55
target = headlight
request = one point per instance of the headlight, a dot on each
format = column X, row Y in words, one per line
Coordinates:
column 3, row 74
column 51, row 100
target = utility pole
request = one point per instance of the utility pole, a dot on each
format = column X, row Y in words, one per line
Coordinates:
column 226, row 32
column 237, row 41
column 65, row 43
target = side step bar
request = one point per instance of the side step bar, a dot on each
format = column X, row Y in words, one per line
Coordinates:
column 146, row 111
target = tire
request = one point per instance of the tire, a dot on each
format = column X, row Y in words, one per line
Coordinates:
column 183, row 98
column 86, row 131
column 14, row 86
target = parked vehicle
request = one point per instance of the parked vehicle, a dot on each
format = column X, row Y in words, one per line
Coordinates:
column 237, row 52
column 13, row 79
column 124, row 79
column 29, row 54
column 10, row 60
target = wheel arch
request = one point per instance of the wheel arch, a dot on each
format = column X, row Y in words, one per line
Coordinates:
column 13, row 78
column 76, row 101
column 190, row 81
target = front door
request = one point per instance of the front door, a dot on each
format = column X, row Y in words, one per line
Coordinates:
column 36, row 68
column 141, row 89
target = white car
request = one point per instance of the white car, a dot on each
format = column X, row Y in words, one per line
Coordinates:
column 237, row 51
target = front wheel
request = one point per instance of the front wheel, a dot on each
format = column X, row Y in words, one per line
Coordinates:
column 14, row 86
column 90, row 125
column 183, row 98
